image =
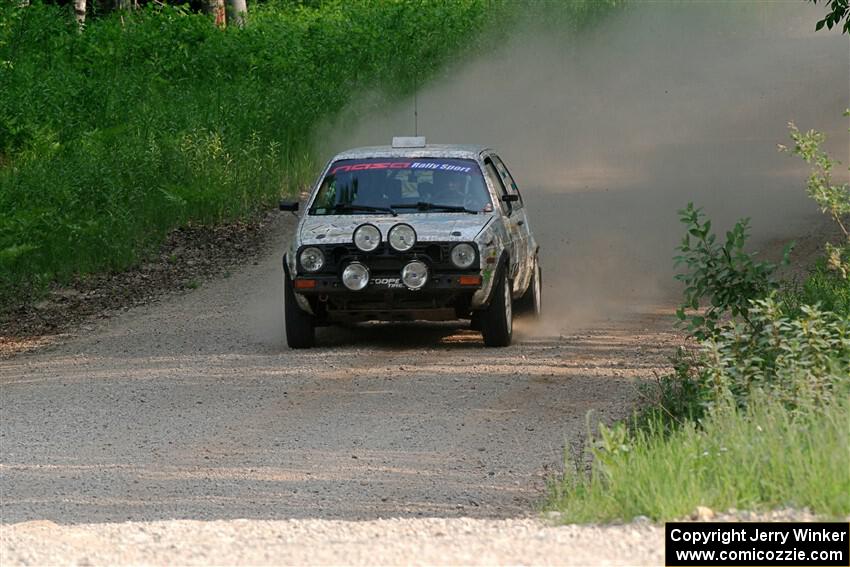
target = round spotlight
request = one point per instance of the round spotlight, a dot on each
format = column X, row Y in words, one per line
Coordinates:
column 415, row 275
column 312, row 259
column 367, row 237
column 355, row 276
column 402, row 237
column 463, row 255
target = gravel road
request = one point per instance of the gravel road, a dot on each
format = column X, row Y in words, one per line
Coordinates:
column 185, row 432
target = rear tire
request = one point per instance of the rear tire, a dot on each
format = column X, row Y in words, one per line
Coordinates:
column 531, row 302
column 300, row 325
column 497, row 318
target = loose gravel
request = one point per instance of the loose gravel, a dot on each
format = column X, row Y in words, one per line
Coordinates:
column 183, row 431
column 459, row 541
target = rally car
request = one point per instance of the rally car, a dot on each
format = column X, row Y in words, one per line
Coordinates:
column 411, row 232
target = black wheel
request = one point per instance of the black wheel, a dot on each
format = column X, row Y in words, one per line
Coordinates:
column 497, row 319
column 531, row 302
column 300, row 325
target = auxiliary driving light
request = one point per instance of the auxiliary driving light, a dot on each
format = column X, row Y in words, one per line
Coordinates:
column 402, row 237
column 367, row 237
column 415, row 275
column 355, row 276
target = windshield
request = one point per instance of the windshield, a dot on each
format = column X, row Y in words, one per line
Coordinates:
column 379, row 185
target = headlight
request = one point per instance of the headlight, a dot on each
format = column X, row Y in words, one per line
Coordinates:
column 367, row 237
column 463, row 255
column 355, row 276
column 312, row 259
column 415, row 275
column 402, row 237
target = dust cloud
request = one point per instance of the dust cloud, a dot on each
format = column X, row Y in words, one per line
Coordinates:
column 611, row 131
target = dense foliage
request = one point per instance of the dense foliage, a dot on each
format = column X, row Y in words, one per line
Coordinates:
column 143, row 121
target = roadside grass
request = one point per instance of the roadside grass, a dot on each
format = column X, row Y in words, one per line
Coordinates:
column 760, row 458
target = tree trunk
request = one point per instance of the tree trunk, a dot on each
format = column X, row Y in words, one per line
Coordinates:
column 237, row 11
column 126, row 5
column 80, row 11
column 216, row 8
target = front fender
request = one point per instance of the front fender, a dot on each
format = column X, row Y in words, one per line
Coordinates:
column 492, row 251
column 289, row 268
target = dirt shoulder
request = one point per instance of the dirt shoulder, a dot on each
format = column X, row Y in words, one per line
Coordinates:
column 189, row 257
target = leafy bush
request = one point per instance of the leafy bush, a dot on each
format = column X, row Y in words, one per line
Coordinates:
column 726, row 277
column 802, row 361
column 799, row 357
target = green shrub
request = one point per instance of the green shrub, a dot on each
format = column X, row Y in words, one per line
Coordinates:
column 801, row 361
column 799, row 357
column 720, row 281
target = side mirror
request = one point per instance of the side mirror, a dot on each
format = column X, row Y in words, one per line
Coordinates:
column 289, row 206
column 508, row 198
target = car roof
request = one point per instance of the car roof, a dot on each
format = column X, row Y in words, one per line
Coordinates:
column 460, row 151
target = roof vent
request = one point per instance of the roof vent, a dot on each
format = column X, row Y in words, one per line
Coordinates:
column 409, row 142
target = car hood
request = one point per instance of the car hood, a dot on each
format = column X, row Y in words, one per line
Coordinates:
column 429, row 227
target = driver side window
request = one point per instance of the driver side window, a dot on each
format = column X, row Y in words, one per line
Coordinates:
column 496, row 180
column 508, row 180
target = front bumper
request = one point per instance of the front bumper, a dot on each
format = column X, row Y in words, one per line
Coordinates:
column 381, row 283
column 444, row 297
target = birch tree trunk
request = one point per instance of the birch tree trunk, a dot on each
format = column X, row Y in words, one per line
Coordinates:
column 237, row 11
column 216, row 8
column 80, row 11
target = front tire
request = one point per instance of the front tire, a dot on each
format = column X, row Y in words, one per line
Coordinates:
column 300, row 325
column 497, row 319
